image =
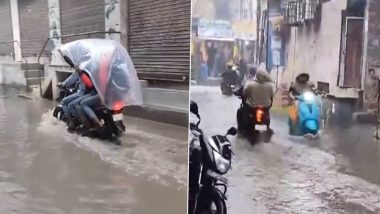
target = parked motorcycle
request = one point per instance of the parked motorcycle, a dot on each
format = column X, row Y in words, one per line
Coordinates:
column 113, row 126
column 209, row 160
column 306, row 120
column 231, row 79
column 257, row 126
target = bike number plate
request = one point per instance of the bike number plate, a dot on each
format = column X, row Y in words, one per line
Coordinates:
column 260, row 127
column 117, row 117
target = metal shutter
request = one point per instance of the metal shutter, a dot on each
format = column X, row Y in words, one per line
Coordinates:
column 6, row 28
column 82, row 16
column 159, row 38
column 34, row 25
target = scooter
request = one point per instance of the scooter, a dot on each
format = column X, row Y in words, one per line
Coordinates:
column 257, row 126
column 209, row 160
column 112, row 121
column 231, row 79
column 307, row 122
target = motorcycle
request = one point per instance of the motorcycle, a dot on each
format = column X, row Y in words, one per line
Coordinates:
column 113, row 76
column 209, row 160
column 306, row 120
column 113, row 126
column 231, row 79
column 257, row 126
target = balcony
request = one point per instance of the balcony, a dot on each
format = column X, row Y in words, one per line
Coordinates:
column 297, row 12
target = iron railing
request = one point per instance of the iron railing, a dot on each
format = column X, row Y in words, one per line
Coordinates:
column 12, row 41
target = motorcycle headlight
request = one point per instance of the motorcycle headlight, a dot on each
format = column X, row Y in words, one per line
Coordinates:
column 308, row 96
column 333, row 108
column 221, row 164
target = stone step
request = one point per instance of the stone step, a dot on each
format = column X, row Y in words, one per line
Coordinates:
column 34, row 81
column 33, row 73
column 32, row 66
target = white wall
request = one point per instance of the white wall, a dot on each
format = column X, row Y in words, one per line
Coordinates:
column 112, row 18
column 317, row 52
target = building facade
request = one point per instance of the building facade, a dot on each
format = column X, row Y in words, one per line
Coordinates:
column 326, row 39
column 156, row 35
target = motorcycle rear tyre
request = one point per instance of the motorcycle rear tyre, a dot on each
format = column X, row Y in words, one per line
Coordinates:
column 220, row 206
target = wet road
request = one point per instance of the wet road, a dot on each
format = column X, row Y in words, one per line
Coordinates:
column 44, row 169
column 338, row 174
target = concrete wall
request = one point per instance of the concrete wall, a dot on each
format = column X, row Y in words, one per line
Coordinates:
column 373, row 52
column 315, row 48
column 374, row 33
column 11, row 74
column 112, row 18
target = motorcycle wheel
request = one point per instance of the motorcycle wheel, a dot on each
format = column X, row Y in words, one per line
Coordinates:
column 267, row 137
column 253, row 137
column 218, row 206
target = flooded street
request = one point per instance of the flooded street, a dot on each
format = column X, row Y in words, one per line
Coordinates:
column 45, row 169
column 338, row 174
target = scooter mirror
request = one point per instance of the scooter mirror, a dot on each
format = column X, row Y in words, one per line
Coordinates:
column 232, row 131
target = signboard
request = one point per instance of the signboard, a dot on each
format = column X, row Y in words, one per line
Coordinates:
column 214, row 28
column 275, row 48
column 276, row 42
column 244, row 29
column 276, row 57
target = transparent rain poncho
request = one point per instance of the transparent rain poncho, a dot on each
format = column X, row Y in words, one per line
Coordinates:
column 110, row 68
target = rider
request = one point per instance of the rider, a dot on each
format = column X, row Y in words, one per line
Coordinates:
column 301, row 85
column 230, row 74
column 256, row 93
column 91, row 102
column 68, row 110
column 243, row 68
column 83, row 104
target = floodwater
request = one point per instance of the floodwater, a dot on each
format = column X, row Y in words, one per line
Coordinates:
column 45, row 169
column 340, row 173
